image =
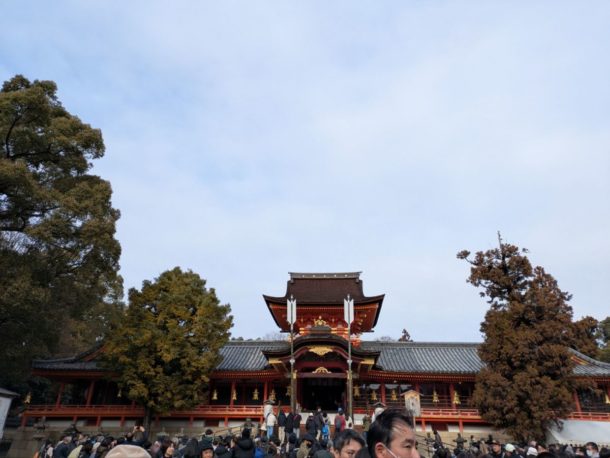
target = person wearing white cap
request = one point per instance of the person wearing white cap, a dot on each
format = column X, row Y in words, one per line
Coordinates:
column 532, row 452
column 127, row 451
column 509, row 450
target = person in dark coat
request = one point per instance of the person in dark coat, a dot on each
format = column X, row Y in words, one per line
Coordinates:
column 223, row 450
column 281, row 425
column 289, row 424
column 310, row 426
column 244, row 447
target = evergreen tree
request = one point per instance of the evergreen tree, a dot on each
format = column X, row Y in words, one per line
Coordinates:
column 587, row 335
column 604, row 351
column 169, row 342
column 526, row 383
column 58, row 255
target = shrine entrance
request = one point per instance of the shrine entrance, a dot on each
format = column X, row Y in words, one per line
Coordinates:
column 326, row 393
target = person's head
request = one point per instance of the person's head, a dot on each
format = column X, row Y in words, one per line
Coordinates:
column 592, row 448
column 391, row 436
column 308, row 439
column 245, row 434
column 496, row 447
column 509, row 449
column 347, row 444
column 207, row 451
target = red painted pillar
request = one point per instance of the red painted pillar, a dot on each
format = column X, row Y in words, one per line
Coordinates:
column 59, row 393
column 191, row 421
column 577, row 402
column 233, row 390
column 461, row 425
column 265, row 390
column 383, row 393
column 451, row 394
column 98, row 422
column 423, row 425
column 24, row 419
column 90, row 392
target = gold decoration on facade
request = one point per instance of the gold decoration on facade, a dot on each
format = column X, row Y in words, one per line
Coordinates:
column 320, row 351
column 255, row 394
column 320, row 322
column 607, row 399
column 214, row 395
column 373, row 395
column 288, row 392
column 393, row 395
column 356, row 391
column 321, row 370
column 272, row 395
column 234, row 395
column 28, row 398
column 435, row 397
column 456, row 398
column 120, row 393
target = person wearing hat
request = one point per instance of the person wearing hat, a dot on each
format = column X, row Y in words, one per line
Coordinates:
column 207, row 450
column 306, row 444
column 496, row 449
column 509, row 450
column 127, row 451
column 531, row 452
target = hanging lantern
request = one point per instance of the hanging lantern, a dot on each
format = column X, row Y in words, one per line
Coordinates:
column 120, row 393
column 435, row 397
column 393, row 395
column 607, row 399
column 255, row 394
column 28, row 398
column 373, row 395
column 288, row 391
column 356, row 391
column 234, row 395
column 272, row 395
column 215, row 395
column 456, row 398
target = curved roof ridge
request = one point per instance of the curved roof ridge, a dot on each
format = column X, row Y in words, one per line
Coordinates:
column 588, row 359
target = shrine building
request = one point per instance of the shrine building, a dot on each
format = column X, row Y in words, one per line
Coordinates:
column 251, row 372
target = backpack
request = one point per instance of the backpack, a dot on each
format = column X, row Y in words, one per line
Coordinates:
column 339, row 423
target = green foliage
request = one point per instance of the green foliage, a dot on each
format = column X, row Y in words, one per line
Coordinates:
column 169, row 341
column 58, row 255
column 604, row 329
column 526, row 383
column 587, row 334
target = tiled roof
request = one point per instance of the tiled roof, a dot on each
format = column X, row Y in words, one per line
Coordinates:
column 248, row 355
column 427, row 357
column 413, row 357
column 324, row 288
column 592, row 368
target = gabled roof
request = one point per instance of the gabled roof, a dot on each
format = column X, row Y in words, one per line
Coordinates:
column 324, row 289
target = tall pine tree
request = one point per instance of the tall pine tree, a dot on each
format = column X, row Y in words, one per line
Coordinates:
column 526, row 383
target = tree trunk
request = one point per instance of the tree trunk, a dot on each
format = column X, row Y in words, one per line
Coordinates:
column 148, row 413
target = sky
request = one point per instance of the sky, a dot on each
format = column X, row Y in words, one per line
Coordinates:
column 245, row 140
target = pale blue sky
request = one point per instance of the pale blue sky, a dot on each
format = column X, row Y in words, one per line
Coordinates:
column 249, row 139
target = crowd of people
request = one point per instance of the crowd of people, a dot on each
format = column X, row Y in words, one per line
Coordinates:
column 388, row 434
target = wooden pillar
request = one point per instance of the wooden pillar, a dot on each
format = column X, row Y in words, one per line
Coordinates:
column 383, row 393
column 122, row 422
column 90, row 392
column 98, row 421
column 417, row 387
column 461, row 425
column 265, row 390
column 233, row 390
column 577, row 402
column 59, row 394
column 24, row 419
column 226, row 422
column 451, row 394
column 191, row 418
column 423, row 425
